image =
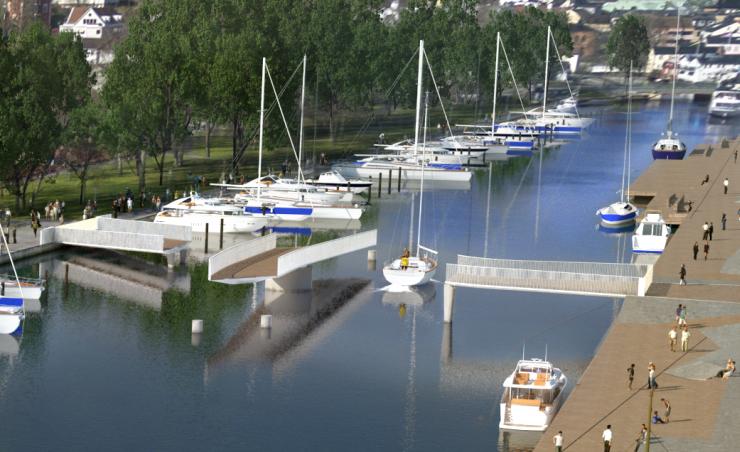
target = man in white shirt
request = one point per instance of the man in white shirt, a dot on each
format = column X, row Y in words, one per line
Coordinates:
column 672, row 335
column 558, row 441
column 685, row 335
column 607, row 437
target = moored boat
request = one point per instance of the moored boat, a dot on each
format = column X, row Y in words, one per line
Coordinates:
column 651, row 235
column 532, row 395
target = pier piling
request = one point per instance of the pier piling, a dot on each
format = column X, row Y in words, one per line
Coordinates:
column 380, row 185
column 399, row 179
column 66, row 274
column 206, row 240
column 390, row 180
column 221, row 236
column 449, row 302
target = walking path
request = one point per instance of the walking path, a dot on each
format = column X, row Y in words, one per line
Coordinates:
column 702, row 408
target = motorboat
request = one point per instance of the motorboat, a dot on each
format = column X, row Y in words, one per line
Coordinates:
column 532, row 395
column 669, row 147
column 417, row 269
column 198, row 212
column 567, row 105
column 436, row 153
column 289, row 189
column 26, row 288
column 725, row 104
column 332, row 180
column 651, row 235
column 623, row 211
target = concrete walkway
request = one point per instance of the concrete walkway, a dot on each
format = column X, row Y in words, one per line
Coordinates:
column 701, row 407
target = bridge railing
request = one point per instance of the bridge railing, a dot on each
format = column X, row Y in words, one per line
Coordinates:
column 302, row 257
column 595, row 268
column 239, row 252
column 542, row 280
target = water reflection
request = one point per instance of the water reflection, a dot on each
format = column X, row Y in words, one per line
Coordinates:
column 124, row 276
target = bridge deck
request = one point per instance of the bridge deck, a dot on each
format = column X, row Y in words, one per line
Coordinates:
column 261, row 265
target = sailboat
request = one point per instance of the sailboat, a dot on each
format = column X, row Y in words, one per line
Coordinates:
column 623, row 211
column 670, row 147
column 408, row 271
column 12, row 310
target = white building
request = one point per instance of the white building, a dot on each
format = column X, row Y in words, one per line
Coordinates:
column 95, row 3
column 92, row 23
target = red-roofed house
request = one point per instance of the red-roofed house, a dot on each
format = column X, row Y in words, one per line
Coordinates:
column 92, row 23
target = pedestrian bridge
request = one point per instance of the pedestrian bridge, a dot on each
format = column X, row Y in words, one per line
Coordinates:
column 125, row 235
column 580, row 278
column 261, row 260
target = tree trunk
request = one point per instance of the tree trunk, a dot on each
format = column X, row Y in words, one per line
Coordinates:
column 209, row 129
column 120, row 164
column 83, row 180
column 331, row 122
column 141, row 168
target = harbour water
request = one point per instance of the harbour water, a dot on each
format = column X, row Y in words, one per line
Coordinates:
column 109, row 362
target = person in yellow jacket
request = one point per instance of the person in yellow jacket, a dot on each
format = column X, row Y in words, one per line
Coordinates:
column 405, row 259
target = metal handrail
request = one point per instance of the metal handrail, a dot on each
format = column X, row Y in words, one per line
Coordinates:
column 594, row 268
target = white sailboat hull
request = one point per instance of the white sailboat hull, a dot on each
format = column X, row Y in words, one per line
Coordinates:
column 197, row 221
column 418, row 272
column 28, row 292
column 367, row 171
column 9, row 323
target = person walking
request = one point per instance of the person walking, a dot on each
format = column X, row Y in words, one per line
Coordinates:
column 678, row 312
column 652, row 383
column 685, row 335
column 695, row 249
column 682, row 275
column 735, row 155
column 666, row 410
column 557, row 440
column 682, row 317
column 726, row 184
column 630, row 376
column 642, row 439
column 711, row 230
column 724, row 221
column 672, row 336
column 706, row 250
column 705, row 228
column 606, row 435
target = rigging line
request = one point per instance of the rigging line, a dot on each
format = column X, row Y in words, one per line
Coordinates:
column 441, row 104
column 555, row 45
column 255, row 130
column 285, row 122
column 386, row 96
column 511, row 71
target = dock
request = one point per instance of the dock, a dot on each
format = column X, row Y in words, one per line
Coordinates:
column 687, row 193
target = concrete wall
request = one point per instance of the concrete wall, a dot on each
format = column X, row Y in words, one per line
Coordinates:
column 326, row 250
column 239, row 252
column 170, row 231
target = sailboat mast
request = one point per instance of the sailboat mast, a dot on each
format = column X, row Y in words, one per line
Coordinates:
column 547, row 68
column 626, row 137
column 495, row 86
column 423, row 163
column 418, row 96
column 300, row 132
column 629, row 134
column 675, row 72
column 262, row 125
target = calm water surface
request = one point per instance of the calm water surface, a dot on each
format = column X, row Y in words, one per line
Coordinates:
column 110, row 364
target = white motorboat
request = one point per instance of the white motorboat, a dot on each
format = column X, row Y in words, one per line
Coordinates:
column 725, row 103
column 408, row 270
column 196, row 212
column 288, row 189
column 669, row 147
column 532, row 395
column 651, row 235
column 26, row 288
column 437, row 153
column 623, row 211
column 332, row 180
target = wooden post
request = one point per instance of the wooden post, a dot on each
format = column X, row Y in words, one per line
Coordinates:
column 221, row 236
column 399, row 179
column 380, row 185
column 66, row 274
column 390, row 180
column 206, row 241
column 370, row 191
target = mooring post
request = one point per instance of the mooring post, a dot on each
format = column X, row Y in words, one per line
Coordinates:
column 380, row 185
column 370, row 191
column 206, row 241
column 390, row 180
column 66, row 274
column 449, row 302
column 221, row 236
column 399, row 179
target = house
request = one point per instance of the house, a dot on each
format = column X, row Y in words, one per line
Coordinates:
column 697, row 69
column 93, row 23
column 95, row 3
column 18, row 13
column 659, row 55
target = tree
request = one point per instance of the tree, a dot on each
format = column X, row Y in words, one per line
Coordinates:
column 44, row 78
column 82, row 138
column 152, row 80
column 628, row 44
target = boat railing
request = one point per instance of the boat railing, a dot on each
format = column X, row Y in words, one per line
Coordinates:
column 11, row 278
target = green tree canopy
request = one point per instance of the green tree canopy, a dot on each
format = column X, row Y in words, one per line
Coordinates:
column 628, row 43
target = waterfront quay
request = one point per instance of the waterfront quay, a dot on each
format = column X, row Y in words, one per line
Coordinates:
column 687, row 193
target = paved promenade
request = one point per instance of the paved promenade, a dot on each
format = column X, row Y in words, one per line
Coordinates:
column 704, row 410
